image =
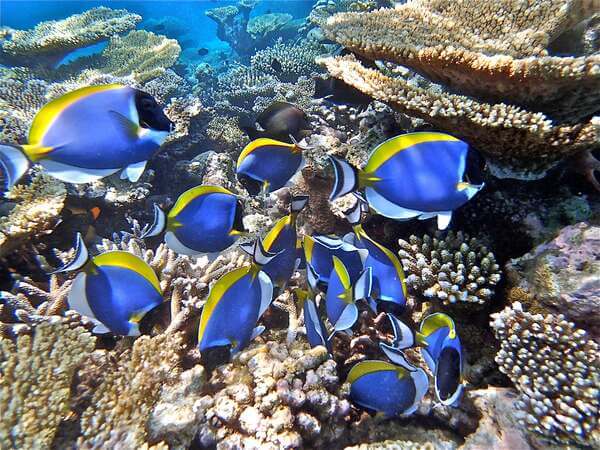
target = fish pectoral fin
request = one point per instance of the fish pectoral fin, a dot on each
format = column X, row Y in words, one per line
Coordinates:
column 125, row 125
column 133, row 172
column 443, row 219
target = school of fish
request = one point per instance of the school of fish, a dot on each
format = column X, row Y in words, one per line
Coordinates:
column 97, row 131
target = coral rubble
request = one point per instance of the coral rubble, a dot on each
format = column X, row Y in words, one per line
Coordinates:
column 554, row 366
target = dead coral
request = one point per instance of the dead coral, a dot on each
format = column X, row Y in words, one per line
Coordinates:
column 36, row 213
column 128, row 392
column 452, row 269
column 35, row 382
column 55, row 38
column 555, row 368
column 491, row 50
column 515, row 139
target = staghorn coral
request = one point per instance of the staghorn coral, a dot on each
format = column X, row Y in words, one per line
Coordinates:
column 55, row 38
column 555, row 368
column 495, row 51
column 521, row 143
column 35, row 380
column 36, row 213
column 452, row 269
column 126, row 395
column 273, row 395
column 140, row 54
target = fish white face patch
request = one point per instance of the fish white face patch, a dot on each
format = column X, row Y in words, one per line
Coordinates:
column 77, row 300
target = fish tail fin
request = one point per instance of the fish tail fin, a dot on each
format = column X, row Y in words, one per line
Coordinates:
column 346, row 178
column 13, row 165
column 362, row 287
column 80, row 258
column 298, row 203
column 403, row 335
column 354, row 214
column 260, row 256
column 298, row 145
column 158, row 224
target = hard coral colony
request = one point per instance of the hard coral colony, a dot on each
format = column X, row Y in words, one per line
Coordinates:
column 255, row 262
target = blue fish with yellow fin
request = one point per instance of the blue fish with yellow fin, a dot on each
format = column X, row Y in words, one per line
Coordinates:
column 115, row 290
column 266, row 165
column 235, row 303
column 316, row 332
column 319, row 252
column 204, row 219
column 389, row 284
column 414, row 175
column 442, row 351
column 386, row 388
column 342, row 294
column 282, row 240
column 90, row 133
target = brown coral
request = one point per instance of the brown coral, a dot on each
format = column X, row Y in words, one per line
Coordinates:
column 55, row 38
column 35, row 381
column 555, row 367
column 491, row 50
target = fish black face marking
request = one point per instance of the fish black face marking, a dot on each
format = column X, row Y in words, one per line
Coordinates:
column 252, row 186
column 474, row 168
column 150, row 113
column 448, row 373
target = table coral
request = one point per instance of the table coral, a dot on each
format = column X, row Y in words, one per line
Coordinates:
column 265, row 25
column 555, row 368
column 454, row 268
column 140, row 54
column 55, row 38
column 522, row 143
column 36, row 213
column 495, row 51
column 36, row 373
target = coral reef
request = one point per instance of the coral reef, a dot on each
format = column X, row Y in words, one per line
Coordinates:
column 504, row 58
column 140, row 54
column 516, row 140
column 124, row 398
column 232, row 23
column 555, row 368
column 561, row 276
column 454, row 268
column 35, row 212
column 51, row 40
column 36, row 374
column 288, row 61
column 265, row 25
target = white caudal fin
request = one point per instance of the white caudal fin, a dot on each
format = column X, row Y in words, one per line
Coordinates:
column 158, row 224
column 73, row 174
column 347, row 318
column 354, row 214
column 80, row 258
column 311, row 277
column 396, row 356
column 13, row 165
column 259, row 255
column 346, row 178
column 133, row 172
column 298, row 203
column 443, row 219
column 403, row 335
column 301, row 145
column 362, row 287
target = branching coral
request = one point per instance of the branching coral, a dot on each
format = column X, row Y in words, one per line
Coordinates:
column 35, row 382
column 140, row 54
column 495, row 51
column 127, row 393
column 555, row 367
column 36, row 213
column 511, row 136
column 452, row 269
column 260, row 27
column 288, row 61
column 53, row 38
